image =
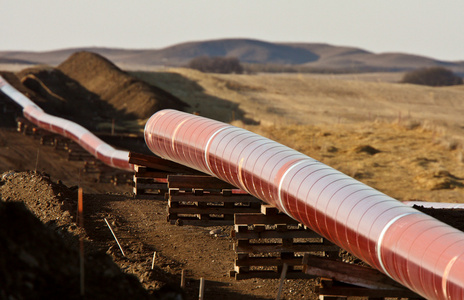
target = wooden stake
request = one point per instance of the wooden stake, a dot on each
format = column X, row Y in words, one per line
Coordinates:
column 182, row 279
column 202, row 289
column 282, row 280
column 153, row 261
column 37, row 160
column 114, row 235
column 80, row 209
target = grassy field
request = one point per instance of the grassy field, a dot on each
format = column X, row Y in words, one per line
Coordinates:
column 279, row 99
column 417, row 130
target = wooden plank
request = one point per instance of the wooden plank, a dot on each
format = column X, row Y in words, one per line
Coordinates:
column 365, row 292
column 270, row 234
column 149, row 173
column 210, row 209
column 143, row 180
column 204, row 182
column 271, row 275
column 348, row 273
column 159, row 163
column 263, row 219
column 166, row 166
column 198, row 222
column 137, row 191
column 273, row 247
column 151, row 186
column 269, row 210
column 268, row 261
column 213, row 197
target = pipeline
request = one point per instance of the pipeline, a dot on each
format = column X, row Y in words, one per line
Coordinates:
column 87, row 140
column 413, row 248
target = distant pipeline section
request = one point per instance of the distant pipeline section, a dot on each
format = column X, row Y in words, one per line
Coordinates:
column 107, row 154
column 411, row 247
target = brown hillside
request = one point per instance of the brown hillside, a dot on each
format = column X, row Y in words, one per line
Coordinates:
column 316, row 56
column 117, row 88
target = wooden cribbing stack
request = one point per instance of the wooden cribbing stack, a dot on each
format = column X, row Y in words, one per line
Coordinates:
column 341, row 280
column 151, row 172
column 206, row 201
column 267, row 240
column 148, row 182
column 193, row 197
column 76, row 152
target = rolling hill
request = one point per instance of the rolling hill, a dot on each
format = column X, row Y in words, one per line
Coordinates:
column 311, row 55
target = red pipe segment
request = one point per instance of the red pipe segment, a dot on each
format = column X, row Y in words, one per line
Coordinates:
column 414, row 249
column 95, row 146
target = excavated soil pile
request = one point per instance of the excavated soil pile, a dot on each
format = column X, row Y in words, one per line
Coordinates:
column 123, row 92
column 65, row 97
column 12, row 79
column 452, row 217
column 39, row 253
column 90, row 90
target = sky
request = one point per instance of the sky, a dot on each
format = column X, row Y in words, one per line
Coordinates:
column 432, row 28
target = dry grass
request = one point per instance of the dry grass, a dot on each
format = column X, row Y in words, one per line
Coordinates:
column 311, row 99
column 412, row 163
column 418, row 130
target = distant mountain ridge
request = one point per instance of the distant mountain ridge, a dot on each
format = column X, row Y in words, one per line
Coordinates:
column 311, row 55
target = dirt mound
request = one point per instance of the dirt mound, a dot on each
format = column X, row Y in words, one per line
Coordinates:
column 67, row 98
column 12, row 79
column 51, row 202
column 36, row 262
column 117, row 88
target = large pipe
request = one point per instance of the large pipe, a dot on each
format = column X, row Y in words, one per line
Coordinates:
column 413, row 248
column 87, row 140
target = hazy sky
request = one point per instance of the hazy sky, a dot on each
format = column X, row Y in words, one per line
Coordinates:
column 433, row 28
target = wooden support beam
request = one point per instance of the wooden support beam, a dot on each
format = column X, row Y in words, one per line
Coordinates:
column 369, row 282
column 212, row 197
column 144, row 172
column 269, row 274
column 267, row 261
column 365, row 292
column 246, row 246
column 198, row 222
column 160, row 164
column 210, row 209
column 244, row 233
column 198, row 181
column 257, row 218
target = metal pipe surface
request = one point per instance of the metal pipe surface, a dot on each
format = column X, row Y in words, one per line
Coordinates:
column 413, row 248
column 95, row 146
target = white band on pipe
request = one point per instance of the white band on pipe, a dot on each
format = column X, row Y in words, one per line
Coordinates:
column 282, row 181
column 207, row 148
column 174, row 135
column 446, row 274
column 382, row 235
